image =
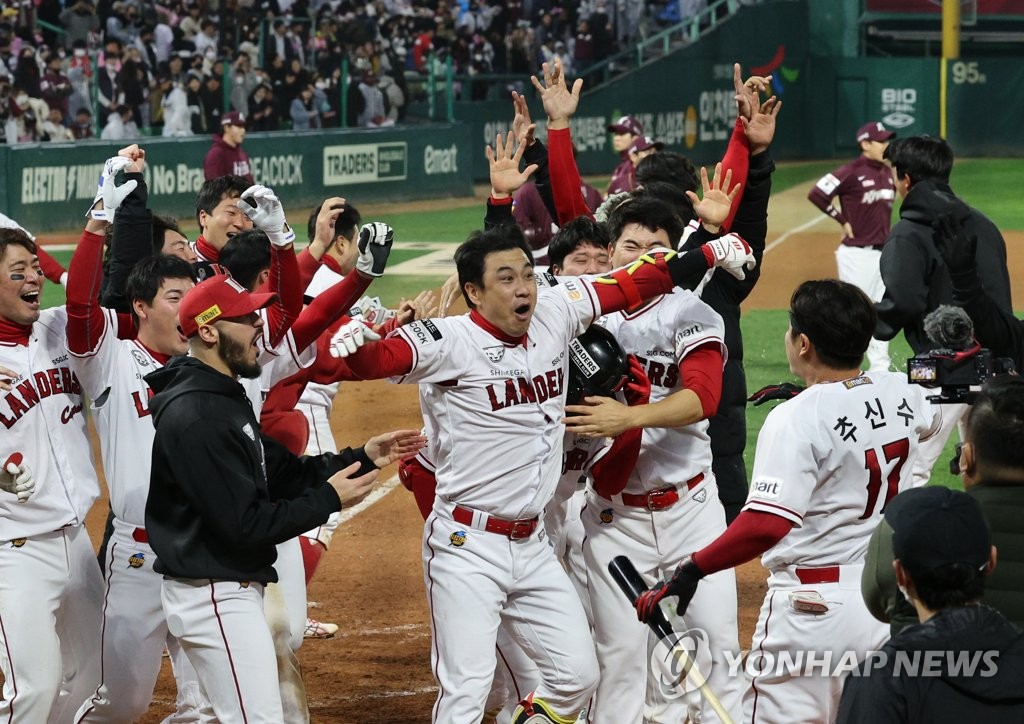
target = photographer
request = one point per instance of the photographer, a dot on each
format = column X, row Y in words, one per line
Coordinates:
column 995, row 326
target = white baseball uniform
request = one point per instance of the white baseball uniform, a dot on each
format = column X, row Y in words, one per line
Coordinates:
column 829, row 461
column 51, row 591
column 496, row 408
column 661, row 333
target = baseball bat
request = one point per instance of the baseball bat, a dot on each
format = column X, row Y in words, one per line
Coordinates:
column 628, row 578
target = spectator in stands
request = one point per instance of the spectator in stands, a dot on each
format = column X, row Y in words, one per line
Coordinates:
column 134, row 82
column 244, row 81
column 79, row 20
column 195, row 102
column 55, row 87
column 191, row 24
column 207, row 38
column 80, row 74
column 279, row 44
column 422, row 48
column 120, row 126
column 24, row 122
column 82, row 127
column 176, row 113
column 263, row 116
column 212, row 97
column 302, row 111
column 54, row 129
column 226, row 156
column 26, row 72
column 375, row 112
column 109, row 94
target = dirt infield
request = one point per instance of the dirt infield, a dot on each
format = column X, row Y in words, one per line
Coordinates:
column 377, row 670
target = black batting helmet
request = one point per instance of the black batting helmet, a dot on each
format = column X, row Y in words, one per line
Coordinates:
column 597, row 365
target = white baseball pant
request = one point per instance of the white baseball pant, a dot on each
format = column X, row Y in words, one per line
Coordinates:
column 51, row 595
column 476, row 580
column 321, row 440
column 223, row 631
column 928, row 452
column 780, row 693
column 656, row 542
column 860, row 266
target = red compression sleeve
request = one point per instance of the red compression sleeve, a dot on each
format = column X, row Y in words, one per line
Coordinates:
column 85, row 316
column 750, row 535
column 284, row 281
column 737, row 158
column 649, row 280
column 126, row 326
column 611, row 472
column 566, row 185
column 701, row 371
column 387, row 358
column 308, row 265
column 52, row 269
column 328, row 306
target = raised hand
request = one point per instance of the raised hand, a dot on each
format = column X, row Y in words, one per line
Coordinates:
column 263, row 207
column 108, row 192
column 522, row 126
column 559, row 101
column 350, row 337
column 394, row 446
column 714, row 208
column 760, row 129
column 506, row 178
column 423, row 306
column 323, row 233
column 748, row 98
column 730, row 252
column 375, row 242
column 450, row 291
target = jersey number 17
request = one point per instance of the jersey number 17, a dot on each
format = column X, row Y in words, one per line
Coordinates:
column 896, row 454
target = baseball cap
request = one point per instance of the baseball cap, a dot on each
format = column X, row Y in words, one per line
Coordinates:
column 217, row 297
column 627, row 124
column 644, row 143
column 874, row 131
column 232, row 118
column 935, row 526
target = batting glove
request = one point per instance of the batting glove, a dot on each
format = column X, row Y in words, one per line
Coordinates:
column 781, row 391
column 261, row 205
column 350, row 337
column 16, row 478
column 731, row 253
column 109, row 192
column 638, row 388
column 375, row 241
column 683, row 584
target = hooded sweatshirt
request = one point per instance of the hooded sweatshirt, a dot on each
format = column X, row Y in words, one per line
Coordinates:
column 976, row 674
column 221, row 494
column 224, row 159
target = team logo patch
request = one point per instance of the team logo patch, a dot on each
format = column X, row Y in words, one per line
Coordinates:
column 136, row 560
column 458, row 538
column 495, row 353
column 857, row 382
column 208, row 315
column 700, row 496
column 140, row 359
column 18, row 542
column 607, row 515
column 766, row 489
column 247, row 429
column 572, row 290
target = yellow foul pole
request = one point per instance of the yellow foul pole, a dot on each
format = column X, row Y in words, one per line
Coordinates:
column 950, row 51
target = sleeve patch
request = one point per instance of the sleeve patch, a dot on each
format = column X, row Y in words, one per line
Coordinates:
column 766, row 489
column 572, row 290
column 828, row 183
column 423, row 331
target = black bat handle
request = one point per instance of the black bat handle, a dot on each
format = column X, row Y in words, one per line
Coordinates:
column 632, row 584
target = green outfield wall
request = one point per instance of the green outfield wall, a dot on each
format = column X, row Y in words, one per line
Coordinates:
column 46, row 186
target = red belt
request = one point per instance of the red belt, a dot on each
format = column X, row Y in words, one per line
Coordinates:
column 810, row 576
column 514, row 529
column 140, row 536
column 662, row 497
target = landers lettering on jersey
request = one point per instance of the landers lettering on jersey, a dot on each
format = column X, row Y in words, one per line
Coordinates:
column 142, row 406
column 661, row 375
column 28, row 393
column 519, row 391
column 574, row 459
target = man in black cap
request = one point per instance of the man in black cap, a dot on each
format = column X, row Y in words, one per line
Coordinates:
column 226, row 157
column 964, row 660
column 624, row 132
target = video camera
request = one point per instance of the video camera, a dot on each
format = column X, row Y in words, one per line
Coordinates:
column 959, row 363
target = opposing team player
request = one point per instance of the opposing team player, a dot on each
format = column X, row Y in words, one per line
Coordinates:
column 827, row 463
column 51, row 591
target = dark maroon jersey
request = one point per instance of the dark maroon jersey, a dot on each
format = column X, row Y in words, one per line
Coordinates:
column 223, row 159
column 865, row 190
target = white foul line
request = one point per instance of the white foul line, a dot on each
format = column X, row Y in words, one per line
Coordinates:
column 791, row 232
column 378, row 493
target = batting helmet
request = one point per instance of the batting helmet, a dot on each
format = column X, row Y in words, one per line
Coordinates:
column 597, row 365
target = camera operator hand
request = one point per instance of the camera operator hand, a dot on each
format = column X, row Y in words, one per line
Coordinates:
column 958, row 249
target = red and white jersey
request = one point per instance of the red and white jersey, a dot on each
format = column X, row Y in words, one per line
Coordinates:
column 42, row 417
column 578, row 454
column 496, row 408
column 277, row 363
column 661, row 334
column 830, row 459
column 112, row 376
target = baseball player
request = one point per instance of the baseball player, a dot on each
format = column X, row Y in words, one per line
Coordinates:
column 625, row 131
column 865, row 190
column 51, row 591
column 664, row 502
column 219, row 215
column 827, row 463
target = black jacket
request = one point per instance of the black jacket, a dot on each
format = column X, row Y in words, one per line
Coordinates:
column 916, row 279
column 992, row 694
column 994, row 327
column 221, row 495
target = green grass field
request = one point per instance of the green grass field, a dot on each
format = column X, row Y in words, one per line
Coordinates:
column 989, row 185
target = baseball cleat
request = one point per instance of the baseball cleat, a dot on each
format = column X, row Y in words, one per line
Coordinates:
column 317, row 630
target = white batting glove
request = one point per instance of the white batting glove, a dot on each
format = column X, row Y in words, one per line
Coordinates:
column 375, row 240
column 350, row 337
column 730, row 252
column 108, row 192
column 261, row 205
column 16, row 478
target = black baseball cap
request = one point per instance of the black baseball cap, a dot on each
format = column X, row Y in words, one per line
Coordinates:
column 935, row 526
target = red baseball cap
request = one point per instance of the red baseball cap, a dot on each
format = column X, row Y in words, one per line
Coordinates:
column 627, row 124
column 874, row 131
column 216, row 298
column 645, row 142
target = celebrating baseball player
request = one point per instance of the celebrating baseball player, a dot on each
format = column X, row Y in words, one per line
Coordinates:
column 865, row 190
column 827, row 463
column 51, row 591
column 496, row 378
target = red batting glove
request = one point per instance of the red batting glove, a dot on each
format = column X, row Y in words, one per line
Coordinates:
column 647, row 601
column 638, row 389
